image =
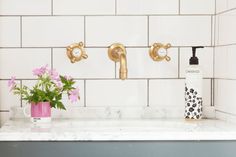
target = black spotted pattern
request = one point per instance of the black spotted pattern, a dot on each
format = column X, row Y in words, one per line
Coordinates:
column 193, row 104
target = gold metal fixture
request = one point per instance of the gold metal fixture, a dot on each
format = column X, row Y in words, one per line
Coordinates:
column 117, row 53
column 76, row 52
column 159, row 52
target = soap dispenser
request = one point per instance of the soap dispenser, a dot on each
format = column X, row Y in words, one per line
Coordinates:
column 193, row 88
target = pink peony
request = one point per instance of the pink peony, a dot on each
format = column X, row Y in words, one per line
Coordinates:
column 40, row 71
column 12, row 83
column 74, row 95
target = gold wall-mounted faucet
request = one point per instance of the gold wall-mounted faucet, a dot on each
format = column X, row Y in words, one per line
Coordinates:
column 117, row 53
column 159, row 52
column 76, row 52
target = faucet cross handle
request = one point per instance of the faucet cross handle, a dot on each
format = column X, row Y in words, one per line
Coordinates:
column 76, row 52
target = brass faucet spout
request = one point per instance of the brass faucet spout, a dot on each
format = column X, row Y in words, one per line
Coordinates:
column 123, row 67
column 117, row 53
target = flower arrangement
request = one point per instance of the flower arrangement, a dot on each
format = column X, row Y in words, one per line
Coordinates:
column 49, row 87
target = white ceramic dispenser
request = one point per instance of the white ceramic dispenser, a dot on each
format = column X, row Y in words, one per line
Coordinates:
column 193, row 88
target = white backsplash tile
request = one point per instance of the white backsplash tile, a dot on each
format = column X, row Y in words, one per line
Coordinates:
column 57, row 31
column 180, row 30
column 105, row 30
column 9, row 31
column 116, row 93
column 25, row 7
column 97, row 65
column 225, row 62
column 4, row 117
column 7, row 98
column 83, row 7
column 225, row 5
column 197, row 6
column 170, row 93
column 205, row 57
column 140, row 7
column 226, row 28
column 20, row 62
column 225, row 99
column 141, row 65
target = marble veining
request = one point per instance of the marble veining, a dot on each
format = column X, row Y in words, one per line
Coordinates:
column 117, row 130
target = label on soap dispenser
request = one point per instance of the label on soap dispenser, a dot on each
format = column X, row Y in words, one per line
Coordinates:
column 193, row 93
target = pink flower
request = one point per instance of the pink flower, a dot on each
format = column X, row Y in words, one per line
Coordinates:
column 68, row 77
column 54, row 75
column 40, row 71
column 74, row 95
column 58, row 84
column 12, row 83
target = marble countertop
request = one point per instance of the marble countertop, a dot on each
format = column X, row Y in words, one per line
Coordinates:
column 117, row 130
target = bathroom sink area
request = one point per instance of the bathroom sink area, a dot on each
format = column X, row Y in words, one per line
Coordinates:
column 118, row 130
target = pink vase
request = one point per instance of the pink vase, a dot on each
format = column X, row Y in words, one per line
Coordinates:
column 41, row 112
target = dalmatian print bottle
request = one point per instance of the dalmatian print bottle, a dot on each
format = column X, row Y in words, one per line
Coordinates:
column 193, row 88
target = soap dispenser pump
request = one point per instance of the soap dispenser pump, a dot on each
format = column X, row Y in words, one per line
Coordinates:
column 193, row 88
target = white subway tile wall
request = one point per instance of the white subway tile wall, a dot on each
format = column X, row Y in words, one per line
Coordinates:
column 224, row 70
column 36, row 32
column 181, row 30
column 25, row 7
column 197, row 6
column 10, row 35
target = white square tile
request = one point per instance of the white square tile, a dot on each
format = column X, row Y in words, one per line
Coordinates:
column 170, row 93
column 105, row 30
column 25, row 7
column 97, row 65
column 225, row 99
column 226, row 28
column 205, row 57
column 7, row 98
column 65, row 100
column 9, row 31
column 128, row 93
column 4, row 117
column 140, row 7
column 83, row 7
column 197, row 6
column 180, row 30
column 225, row 62
column 141, row 65
column 21, row 62
column 221, row 5
column 57, row 31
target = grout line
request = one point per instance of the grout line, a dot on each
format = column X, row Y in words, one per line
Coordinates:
column 115, row 7
column 52, row 66
column 232, row 114
column 148, row 105
column 148, row 31
column 84, row 31
column 102, row 15
column 4, row 111
column 178, row 62
column 233, row 44
column 226, row 11
column 179, row 7
column 103, row 79
column 215, row 6
column 173, row 46
column 52, row 7
column 85, row 96
column 211, row 30
column 21, row 32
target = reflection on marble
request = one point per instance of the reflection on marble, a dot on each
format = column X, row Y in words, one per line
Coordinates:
column 117, row 130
